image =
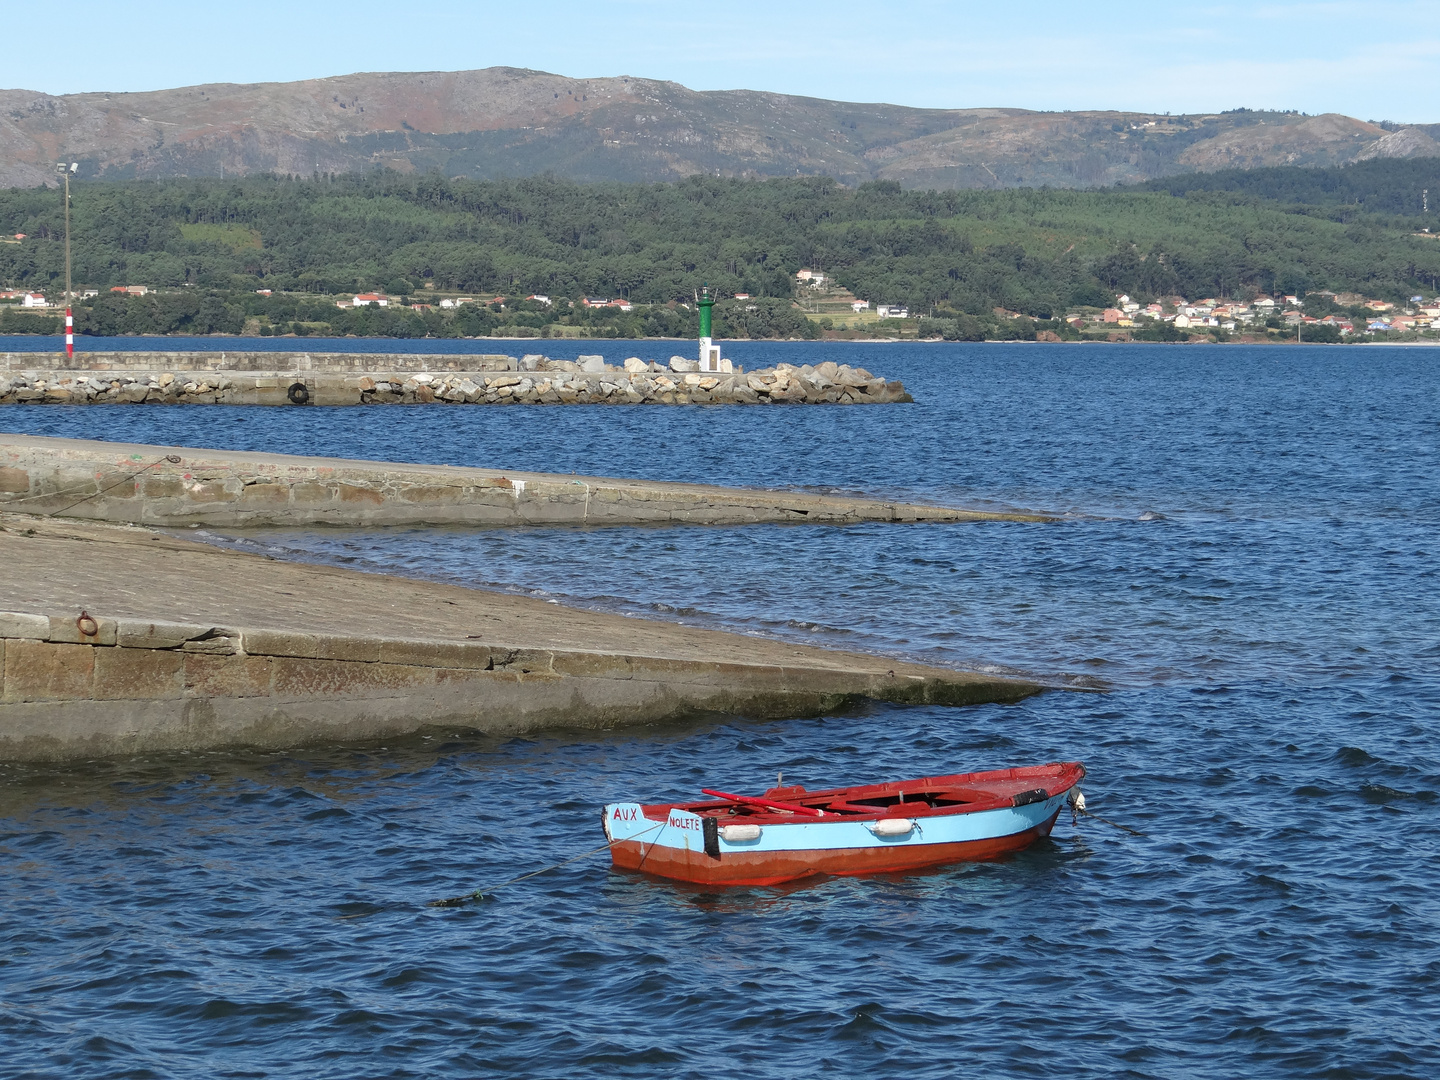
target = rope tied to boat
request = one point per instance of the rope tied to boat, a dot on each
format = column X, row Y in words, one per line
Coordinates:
column 1077, row 807
column 481, row 894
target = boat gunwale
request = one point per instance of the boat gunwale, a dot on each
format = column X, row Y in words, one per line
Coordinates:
column 1062, row 775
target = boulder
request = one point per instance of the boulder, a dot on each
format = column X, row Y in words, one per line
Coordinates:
column 531, row 361
column 828, row 369
column 634, row 363
column 814, row 380
column 591, row 362
column 680, row 363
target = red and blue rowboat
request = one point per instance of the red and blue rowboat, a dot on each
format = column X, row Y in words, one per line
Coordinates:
column 791, row 833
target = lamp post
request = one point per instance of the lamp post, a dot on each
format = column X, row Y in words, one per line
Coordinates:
column 67, row 171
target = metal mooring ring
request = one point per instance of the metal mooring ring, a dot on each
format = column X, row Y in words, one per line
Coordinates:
column 87, row 625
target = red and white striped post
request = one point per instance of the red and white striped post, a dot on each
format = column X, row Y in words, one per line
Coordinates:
column 69, row 319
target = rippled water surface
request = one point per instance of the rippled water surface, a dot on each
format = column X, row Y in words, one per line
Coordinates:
column 1246, row 562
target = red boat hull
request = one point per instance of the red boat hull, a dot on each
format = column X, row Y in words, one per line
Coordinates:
column 777, row 867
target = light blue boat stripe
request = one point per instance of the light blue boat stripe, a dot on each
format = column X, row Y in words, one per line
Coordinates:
column 627, row 821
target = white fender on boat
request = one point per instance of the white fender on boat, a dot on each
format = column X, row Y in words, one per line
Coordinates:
column 1077, row 800
column 732, row 833
column 892, row 826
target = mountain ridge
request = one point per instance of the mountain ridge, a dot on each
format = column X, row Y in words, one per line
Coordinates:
column 508, row 122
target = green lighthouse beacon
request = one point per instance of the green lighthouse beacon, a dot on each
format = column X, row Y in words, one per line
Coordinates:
column 709, row 352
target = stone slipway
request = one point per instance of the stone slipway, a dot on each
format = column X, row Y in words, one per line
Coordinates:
column 189, row 647
column 127, row 482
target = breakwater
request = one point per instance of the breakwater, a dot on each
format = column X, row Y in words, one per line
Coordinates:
column 165, row 644
column 156, row 485
column 260, row 378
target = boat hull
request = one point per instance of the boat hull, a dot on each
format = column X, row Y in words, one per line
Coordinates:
column 777, row 867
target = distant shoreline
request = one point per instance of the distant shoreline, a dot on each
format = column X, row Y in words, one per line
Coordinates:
column 56, row 342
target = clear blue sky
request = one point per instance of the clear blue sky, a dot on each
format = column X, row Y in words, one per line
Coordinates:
column 1376, row 60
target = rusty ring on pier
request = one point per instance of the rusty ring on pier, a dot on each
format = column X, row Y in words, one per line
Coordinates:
column 87, row 625
column 174, row 459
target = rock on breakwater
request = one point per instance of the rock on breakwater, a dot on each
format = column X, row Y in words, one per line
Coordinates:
column 532, row 380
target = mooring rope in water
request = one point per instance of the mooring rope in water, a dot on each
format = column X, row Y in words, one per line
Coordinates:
column 1077, row 807
column 481, row 894
column 173, row 459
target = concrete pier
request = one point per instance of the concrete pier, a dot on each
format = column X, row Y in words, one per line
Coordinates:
column 116, row 639
column 158, row 485
column 298, row 361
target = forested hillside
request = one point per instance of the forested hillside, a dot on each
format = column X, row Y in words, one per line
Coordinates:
column 1381, row 186
column 1026, row 250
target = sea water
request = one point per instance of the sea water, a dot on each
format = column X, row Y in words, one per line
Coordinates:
column 1239, row 599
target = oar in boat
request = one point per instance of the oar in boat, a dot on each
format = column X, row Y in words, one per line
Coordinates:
column 769, row 804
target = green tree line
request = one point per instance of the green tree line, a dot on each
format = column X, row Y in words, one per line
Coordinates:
column 950, row 254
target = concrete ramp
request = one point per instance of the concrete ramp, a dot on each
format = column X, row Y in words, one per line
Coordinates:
column 159, row 485
column 118, row 639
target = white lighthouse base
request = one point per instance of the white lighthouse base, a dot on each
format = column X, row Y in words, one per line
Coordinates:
column 709, row 357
